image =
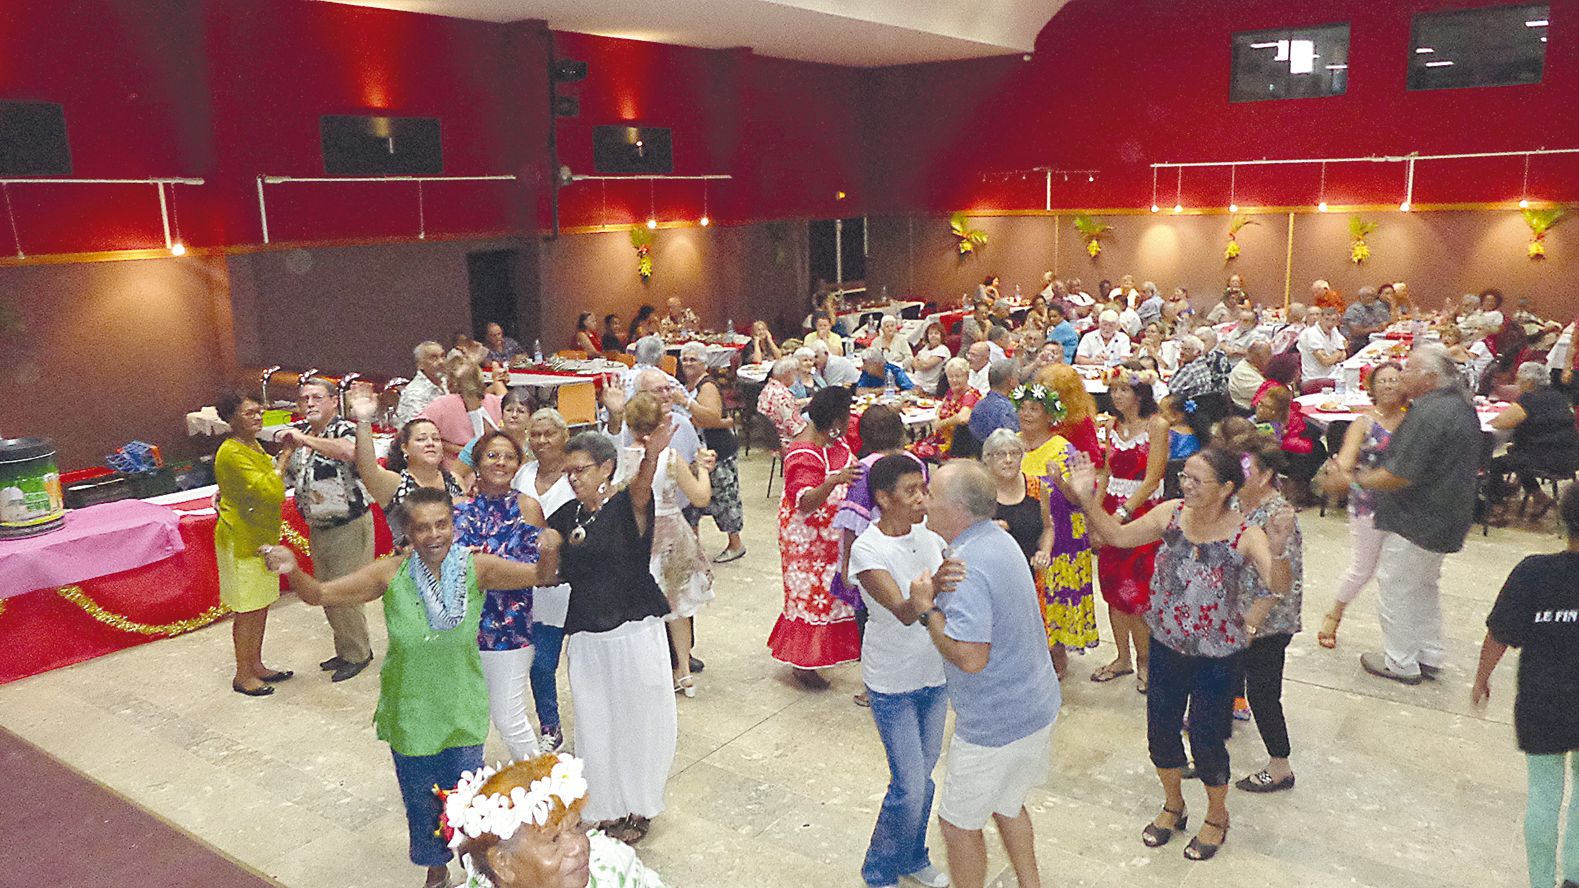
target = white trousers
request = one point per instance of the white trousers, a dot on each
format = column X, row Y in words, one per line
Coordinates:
column 507, row 675
column 623, row 692
column 1411, row 605
column 1365, row 549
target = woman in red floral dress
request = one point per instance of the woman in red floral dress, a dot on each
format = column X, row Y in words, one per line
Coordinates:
column 816, row 629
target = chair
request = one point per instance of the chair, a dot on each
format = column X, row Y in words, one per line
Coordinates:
column 620, row 357
column 1554, row 477
column 669, row 364
column 775, row 447
column 578, row 404
column 571, row 354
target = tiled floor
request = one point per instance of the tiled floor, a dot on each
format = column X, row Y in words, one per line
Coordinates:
column 774, row 786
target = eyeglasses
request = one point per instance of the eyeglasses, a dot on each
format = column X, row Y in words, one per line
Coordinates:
column 577, row 471
column 1005, row 454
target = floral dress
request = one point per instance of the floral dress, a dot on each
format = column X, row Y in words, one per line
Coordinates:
column 936, row 445
column 1064, row 589
column 1125, row 574
column 677, row 562
column 816, row 629
column 493, row 523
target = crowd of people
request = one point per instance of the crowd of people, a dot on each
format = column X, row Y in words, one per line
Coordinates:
column 960, row 568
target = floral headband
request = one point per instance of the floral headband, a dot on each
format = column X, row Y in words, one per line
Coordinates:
column 1132, row 378
column 469, row 814
column 1043, row 395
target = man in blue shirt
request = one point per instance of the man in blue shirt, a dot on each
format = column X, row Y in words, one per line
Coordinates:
column 877, row 373
column 995, row 411
column 1059, row 330
column 980, row 609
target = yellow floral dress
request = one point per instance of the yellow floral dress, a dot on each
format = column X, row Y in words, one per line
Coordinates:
column 1068, row 608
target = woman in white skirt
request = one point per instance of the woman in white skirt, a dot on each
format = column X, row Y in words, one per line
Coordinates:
column 543, row 479
column 616, row 651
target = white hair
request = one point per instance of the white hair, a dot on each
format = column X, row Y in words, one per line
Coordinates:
column 1108, row 316
column 693, row 349
column 967, row 484
column 1437, row 362
column 649, row 350
column 1192, row 342
column 1534, row 374
column 887, row 322
column 787, row 366
column 874, row 355
column 805, row 352
column 956, row 362
column 416, row 353
column 819, row 347
column 1149, row 288
column 1001, row 439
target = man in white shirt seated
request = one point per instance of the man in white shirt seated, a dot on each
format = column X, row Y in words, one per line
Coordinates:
column 980, row 357
column 998, row 342
column 1322, row 348
column 1236, row 340
column 1107, row 345
column 1247, row 376
column 830, row 369
column 427, row 385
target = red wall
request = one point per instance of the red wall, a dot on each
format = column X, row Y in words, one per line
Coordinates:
column 1116, row 87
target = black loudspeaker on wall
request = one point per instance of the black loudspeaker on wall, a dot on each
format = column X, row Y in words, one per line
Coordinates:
column 33, row 139
column 355, row 145
column 641, row 150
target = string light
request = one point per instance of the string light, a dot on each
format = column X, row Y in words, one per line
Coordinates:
column 1154, row 207
column 1233, row 182
column 1524, row 191
column 1178, row 189
column 704, row 221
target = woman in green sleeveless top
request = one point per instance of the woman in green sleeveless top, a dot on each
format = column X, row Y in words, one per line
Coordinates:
column 432, row 703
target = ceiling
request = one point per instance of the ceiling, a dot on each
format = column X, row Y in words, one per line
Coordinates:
column 859, row 33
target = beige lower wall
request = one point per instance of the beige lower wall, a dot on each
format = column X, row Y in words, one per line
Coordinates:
column 1440, row 254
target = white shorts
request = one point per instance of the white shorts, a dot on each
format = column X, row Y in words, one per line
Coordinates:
column 981, row 781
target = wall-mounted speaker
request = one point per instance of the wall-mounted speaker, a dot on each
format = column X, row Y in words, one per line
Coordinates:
column 638, row 150
column 33, row 139
column 355, row 145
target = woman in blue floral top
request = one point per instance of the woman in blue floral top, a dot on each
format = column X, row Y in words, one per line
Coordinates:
column 502, row 522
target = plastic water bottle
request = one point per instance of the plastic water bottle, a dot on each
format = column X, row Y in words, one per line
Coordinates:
column 1342, row 387
column 537, row 351
column 890, row 388
column 729, row 326
column 1016, row 292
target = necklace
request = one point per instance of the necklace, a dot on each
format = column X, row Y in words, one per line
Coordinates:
column 578, row 534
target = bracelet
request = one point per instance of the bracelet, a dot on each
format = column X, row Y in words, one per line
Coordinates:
column 1122, row 513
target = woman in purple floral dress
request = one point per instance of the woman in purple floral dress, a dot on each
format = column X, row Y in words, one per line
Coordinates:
column 504, row 523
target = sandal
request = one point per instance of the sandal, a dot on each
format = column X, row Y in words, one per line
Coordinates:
column 1327, row 635
column 685, row 686
column 1109, row 672
column 1141, row 684
column 862, row 700
column 631, row 830
column 729, row 555
column 1261, row 781
column 1199, row 850
column 274, row 677
column 259, row 691
column 1154, row 836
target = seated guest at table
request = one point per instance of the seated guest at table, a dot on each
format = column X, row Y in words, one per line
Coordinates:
column 1544, row 441
column 1323, row 296
column 1059, row 330
column 428, row 383
column 648, row 352
column 805, row 381
column 679, row 319
column 318, row 455
column 251, row 493
column 1322, row 349
column 1163, row 352
column 978, row 356
column 433, row 702
column 466, row 412
column 778, row 401
column 831, row 369
column 501, row 348
column 416, row 460
column 645, row 323
column 1402, row 304
column 1472, row 360
column 1041, row 358
column 464, row 346
column 1107, row 345
column 1367, row 315
column 610, row 340
column 760, row 348
column 999, row 342
column 1511, row 347
column 995, row 410
column 1278, row 415
column 822, row 331
column 950, row 434
column 1036, row 317
column 877, row 373
column 1003, row 314
column 1078, row 297
column 1287, row 336
column 1224, row 309
column 1236, row 341
column 586, row 338
column 1053, row 289
column 988, row 289
column 1245, row 380
column 1491, row 316
column 1194, row 376
column 1175, row 307
column 1150, row 308
column 975, row 328
column 894, row 345
column 832, row 304
column 926, row 366
column 1215, row 357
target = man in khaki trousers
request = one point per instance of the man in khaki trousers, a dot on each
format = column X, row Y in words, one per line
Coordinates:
column 318, row 457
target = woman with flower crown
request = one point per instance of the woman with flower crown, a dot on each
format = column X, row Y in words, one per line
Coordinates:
column 520, row 827
column 1061, row 564
column 432, row 701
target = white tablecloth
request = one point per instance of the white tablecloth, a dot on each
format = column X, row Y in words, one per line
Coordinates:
column 1355, row 404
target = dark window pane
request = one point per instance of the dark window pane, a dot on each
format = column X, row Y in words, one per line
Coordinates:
column 1290, row 63
column 1494, row 46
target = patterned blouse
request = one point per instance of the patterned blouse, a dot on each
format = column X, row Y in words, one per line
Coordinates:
column 1362, row 502
column 1283, row 619
column 493, row 522
column 777, row 403
column 1199, row 592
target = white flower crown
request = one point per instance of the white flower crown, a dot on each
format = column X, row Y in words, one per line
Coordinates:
column 470, row 814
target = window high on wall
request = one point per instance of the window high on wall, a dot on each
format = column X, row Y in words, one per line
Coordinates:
column 1290, row 63
column 1490, row 46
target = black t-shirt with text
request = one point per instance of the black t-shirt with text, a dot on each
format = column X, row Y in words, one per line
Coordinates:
column 1537, row 611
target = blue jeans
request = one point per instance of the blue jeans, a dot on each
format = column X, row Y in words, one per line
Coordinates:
column 545, row 668
column 418, row 774
column 911, row 727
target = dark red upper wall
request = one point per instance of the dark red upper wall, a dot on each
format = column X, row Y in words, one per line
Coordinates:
column 1117, row 87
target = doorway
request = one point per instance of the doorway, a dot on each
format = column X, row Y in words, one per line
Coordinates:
column 490, row 278
column 837, row 252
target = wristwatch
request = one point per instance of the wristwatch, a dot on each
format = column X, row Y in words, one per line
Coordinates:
column 927, row 614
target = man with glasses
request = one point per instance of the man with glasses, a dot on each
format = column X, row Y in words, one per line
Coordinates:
column 319, row 454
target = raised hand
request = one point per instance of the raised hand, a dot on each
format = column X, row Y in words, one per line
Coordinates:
column 659, row 440
column 1280, row 530
column 363, row 406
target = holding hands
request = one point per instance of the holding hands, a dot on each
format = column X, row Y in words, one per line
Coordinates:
column 706, row 460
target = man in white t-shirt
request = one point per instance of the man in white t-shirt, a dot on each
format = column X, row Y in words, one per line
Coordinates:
column 1105, row 346
column 902, row 670
column 1322, row 348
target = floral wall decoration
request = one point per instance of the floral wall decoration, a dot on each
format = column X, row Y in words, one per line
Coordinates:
column 1237, row 225
column 1540, row 221
column 1359, row 251
column 970, row 239
column 1093, row 232
column 641, row 239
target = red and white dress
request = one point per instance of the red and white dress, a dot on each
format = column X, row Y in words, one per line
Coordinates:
column 1125, row 574
column 816, row 629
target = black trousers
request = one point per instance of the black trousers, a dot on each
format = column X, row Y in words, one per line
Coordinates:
column 1203, row 686
column 1263, row 666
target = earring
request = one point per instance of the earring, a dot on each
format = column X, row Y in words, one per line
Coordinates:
column 603, row 488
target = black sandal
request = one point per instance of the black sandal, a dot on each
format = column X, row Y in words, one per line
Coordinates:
column 263, row 691
column 1261, row 781
column 1199, row 850
column 275, row 677
column 1155, row 836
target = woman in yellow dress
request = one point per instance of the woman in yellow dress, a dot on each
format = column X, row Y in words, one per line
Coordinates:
column 251, row 493
column 1062, row 563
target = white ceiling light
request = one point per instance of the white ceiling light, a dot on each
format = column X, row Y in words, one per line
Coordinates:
column 1422, row 50
column 1269, row 45
column 1536, row 23
column 1302, row 56
column 1441, row 64
column 1337, row 67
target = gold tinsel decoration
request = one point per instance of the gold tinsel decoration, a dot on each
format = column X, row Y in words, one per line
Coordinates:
column 290, row 537
column 75, row 595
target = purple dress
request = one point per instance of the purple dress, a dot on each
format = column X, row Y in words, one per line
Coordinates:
column 494, row 524
column 856, row 513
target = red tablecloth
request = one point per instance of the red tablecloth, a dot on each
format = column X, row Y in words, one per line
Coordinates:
column 49, row 628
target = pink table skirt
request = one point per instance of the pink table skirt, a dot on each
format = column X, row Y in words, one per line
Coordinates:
column 97, row 541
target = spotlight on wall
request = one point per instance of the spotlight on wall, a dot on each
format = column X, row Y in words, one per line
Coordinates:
column 1233, row 208
column 1524, row 204
column 704, row 221
column 1178, row 208
column 1321, row 207
column 651, row 222
column 1405, row 207
column 1155, row 208
column 1091, row 177
column 178, row 249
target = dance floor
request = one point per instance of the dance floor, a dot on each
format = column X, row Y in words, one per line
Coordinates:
column 1399, row 787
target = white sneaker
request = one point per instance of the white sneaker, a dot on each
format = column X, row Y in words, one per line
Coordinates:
column 930, row 876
